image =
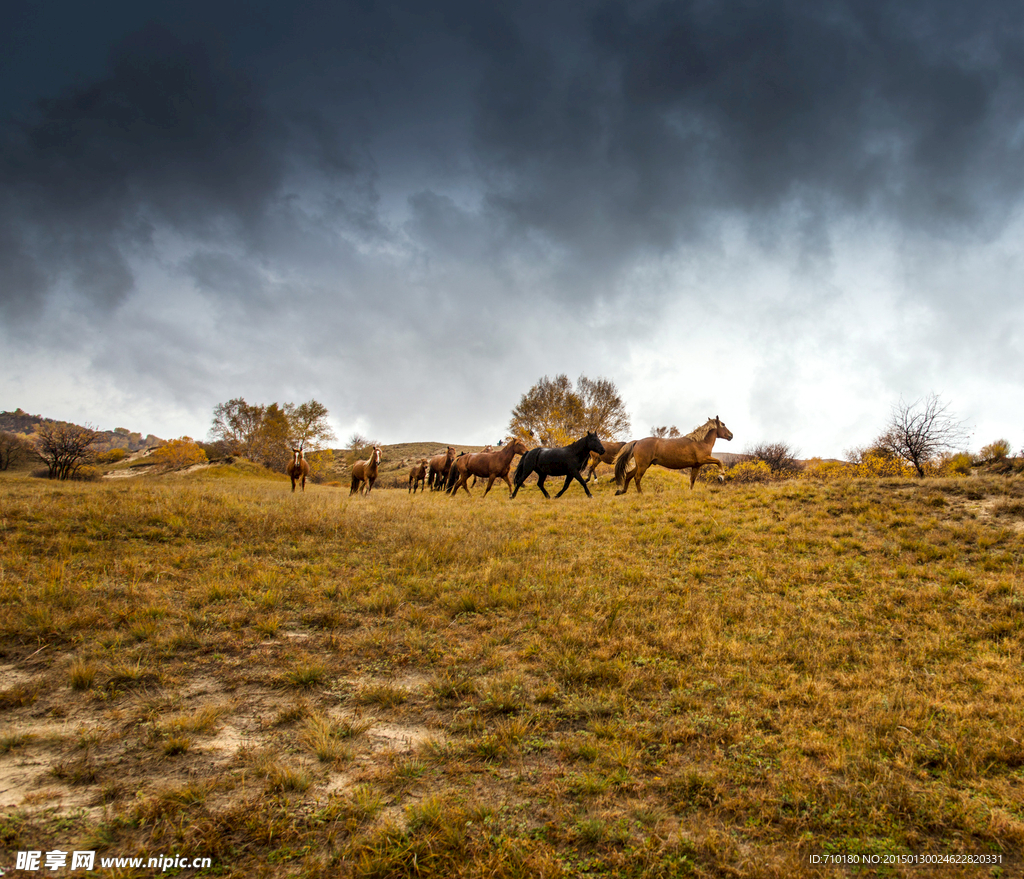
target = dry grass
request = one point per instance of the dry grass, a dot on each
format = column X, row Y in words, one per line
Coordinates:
column 722, row 682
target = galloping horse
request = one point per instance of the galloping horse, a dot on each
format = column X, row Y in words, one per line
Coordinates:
column 298, row 470
column 677, row 453
column 486, row 465
column 566, row 462
column 418, row 476
column 439, row 467
column 365, row 471
column 608, row 457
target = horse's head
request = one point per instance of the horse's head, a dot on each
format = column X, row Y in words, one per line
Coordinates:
column 519, row 447
column 723, row 431
column 594, row 444
column 450, row 454
column 376, row 455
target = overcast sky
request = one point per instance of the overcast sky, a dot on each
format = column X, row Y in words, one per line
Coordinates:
column 788, row 214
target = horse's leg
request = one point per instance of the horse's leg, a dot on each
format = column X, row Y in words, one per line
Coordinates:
column 580, row 480
column 638, row 474
column 693, row 475
column 519, row 483
column 490, row 482
column 508, row 482
column 568, row 479
column 540, row 484
column 721, row 467
column 303, row 483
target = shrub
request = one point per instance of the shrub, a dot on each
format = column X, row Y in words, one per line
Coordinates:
column 878, row 463
column 996, row 451
column 111, row 456
column 816, row 468
column 750, row 471
column 958, row 464
column 179, row 453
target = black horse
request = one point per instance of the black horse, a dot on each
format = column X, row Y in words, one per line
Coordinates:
column 567, row 462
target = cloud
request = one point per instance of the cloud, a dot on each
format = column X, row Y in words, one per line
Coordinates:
column 399, row 205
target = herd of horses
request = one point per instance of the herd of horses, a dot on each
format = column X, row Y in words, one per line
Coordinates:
column 449, row 472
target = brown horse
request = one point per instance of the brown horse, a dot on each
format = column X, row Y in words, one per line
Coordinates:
column 610, row 451
column 486, row 465
column 677, row 453
column 298, row 470
column 418, row 476
column 439, row 467
column 484, row 449
column 365, row 472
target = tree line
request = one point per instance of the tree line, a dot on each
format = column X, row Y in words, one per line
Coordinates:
column 554, row 412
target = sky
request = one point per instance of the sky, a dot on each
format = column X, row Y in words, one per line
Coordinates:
column 792, row 215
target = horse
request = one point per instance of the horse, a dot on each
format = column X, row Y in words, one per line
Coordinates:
column 484, row 449
column 675, row 453
column 298, row 470
column 607, row 457
column 418, row 476
column 439, row 466
column 486, row 465
column 365, row 471
column 566, row 462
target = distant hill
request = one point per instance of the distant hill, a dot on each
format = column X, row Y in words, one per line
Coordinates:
column 22, row 423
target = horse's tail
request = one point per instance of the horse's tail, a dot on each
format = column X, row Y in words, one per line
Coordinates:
column 453, row 476
column 622, row 462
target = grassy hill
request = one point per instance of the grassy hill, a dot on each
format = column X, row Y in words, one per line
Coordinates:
column 728, row 681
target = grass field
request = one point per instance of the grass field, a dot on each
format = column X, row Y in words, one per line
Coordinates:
column 730, row 682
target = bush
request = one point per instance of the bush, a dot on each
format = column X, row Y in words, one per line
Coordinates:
column 996, row 451
column 958, row 464
column 816, row 468
column 750, row 471
column 876, row 463
column 180, row 453
column 88, row 473
column 111, row 456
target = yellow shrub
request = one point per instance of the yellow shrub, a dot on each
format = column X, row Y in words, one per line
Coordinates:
column 111, row 456
column 950, row 465
column 179, row 453
column 749, row 471
column 874, row 464
column 816, row 468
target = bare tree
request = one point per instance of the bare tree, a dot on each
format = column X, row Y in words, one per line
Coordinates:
column 779, row 457
column 64, row 447
column 555, row 413
column 665, row 431
column 13, row 447
column 918, row 432
column 359, row 448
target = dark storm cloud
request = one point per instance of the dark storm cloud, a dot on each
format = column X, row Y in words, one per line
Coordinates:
column 672, row 110
column 370, row 185
column 172, row 138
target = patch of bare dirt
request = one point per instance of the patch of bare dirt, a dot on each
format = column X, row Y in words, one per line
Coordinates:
column 983, row 509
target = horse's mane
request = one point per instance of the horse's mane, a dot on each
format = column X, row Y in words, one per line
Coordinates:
column 699, row 434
